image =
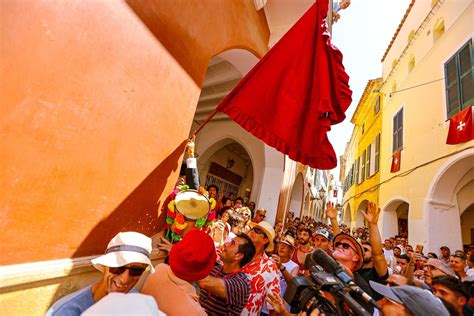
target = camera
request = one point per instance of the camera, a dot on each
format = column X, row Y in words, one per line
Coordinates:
column 303, row 293
column 328, row 289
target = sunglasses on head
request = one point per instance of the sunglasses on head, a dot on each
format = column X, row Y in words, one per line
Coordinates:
column 344, row 245
column 258, row 231
column 133, row 271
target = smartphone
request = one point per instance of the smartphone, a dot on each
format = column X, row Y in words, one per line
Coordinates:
column 419, row 249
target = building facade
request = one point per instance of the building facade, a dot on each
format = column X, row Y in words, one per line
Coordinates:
column 361, row 164
column 426, row 79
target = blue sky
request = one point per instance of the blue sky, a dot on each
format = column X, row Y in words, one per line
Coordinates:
column 363, row 34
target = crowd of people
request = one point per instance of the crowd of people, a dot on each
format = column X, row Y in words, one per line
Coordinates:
column 235, row 262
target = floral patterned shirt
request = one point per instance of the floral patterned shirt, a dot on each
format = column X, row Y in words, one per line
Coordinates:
column 263, row 276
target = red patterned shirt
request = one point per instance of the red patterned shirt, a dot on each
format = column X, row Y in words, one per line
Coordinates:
column 263, row 276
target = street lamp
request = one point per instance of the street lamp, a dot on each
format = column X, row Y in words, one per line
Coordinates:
column 321, row 193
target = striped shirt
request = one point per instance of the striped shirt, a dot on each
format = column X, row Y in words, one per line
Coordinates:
column 238, row 289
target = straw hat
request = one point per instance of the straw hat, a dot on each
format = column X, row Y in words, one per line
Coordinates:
column 268, row 230
column 288, row 240
column 192, row 204
column 123, row 249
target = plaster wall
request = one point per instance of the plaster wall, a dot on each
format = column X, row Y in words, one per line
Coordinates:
column 97, row 99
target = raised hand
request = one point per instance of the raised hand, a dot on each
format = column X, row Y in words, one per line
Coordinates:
column 331, row 211
column 372, row 213
column 164, row 245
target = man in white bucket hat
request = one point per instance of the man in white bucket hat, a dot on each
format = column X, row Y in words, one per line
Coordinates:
column 126, row 258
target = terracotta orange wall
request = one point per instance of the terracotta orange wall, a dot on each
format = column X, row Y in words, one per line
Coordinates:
column 96, row 100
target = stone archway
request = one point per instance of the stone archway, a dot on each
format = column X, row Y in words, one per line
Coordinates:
column 449, row 202
column 395, row 217
column 296, row 200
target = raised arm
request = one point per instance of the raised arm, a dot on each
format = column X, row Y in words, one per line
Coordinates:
column 331, row 212
column 372, row 217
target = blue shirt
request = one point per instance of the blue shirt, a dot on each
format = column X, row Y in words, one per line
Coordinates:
column 73, row 304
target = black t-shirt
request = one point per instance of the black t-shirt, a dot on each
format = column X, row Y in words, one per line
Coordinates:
column 370, row 274
column 364, row 285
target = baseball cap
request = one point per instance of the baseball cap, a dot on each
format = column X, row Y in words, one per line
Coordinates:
column 323, row 233
column 440, row 266
column 419, row 302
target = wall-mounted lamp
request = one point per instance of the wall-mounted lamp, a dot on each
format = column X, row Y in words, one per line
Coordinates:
column 321, row 193
column 230, row 163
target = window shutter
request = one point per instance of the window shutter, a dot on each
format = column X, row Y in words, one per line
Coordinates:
column 372, row 158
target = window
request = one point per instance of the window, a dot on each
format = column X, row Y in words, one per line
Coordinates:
column 411, row 63
column 377, row 153
column 377, row 105
column 410, row 36
column 356, row 178
column 438, row 29
column 367, row 167
column 398, row 131
column 362, row 168
column 458, row 77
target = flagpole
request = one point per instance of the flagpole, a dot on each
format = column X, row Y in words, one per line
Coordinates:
column 203, row 123
column 329, row 19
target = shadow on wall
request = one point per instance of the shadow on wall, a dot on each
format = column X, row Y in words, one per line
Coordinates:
column 140, row 209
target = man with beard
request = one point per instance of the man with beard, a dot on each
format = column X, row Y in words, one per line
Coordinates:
column 126, row 258
column 304, row 248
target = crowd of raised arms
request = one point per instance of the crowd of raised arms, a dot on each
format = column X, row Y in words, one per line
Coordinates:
column 232, row 261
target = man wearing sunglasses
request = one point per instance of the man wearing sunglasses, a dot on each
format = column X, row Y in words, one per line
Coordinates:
column 262, row 272
column 259, row 216
column 126, row 258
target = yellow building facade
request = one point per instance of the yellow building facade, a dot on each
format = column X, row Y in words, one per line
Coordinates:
column 427, row 78
column 361, row 162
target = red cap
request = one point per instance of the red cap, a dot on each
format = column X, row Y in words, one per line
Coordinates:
column 193, row 258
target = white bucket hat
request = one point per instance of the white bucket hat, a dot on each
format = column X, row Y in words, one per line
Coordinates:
column 123, row 249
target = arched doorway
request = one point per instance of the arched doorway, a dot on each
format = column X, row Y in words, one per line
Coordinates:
column 228, row 166
column 360, row 219
column 296, row 202
column 395, row 218
column 347, row 215
column 450, row 203
column 467, row 225
column 224, row 72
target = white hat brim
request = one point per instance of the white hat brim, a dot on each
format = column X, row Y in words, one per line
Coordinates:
column 120, row 259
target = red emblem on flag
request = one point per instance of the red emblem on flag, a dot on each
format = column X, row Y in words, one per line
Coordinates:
column 396, row 160
column 295, row 93
column 460, row 127
column 335, row 193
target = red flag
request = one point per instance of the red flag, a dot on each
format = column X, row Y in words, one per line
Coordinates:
column 295, row 93
column 460, row 127
column 335, row 193
column 396, row 161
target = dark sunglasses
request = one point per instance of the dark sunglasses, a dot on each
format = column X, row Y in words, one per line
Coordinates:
column 344, row 245
column 261, row 215
column 133, row 271
column 391, row 284
column 258, row 231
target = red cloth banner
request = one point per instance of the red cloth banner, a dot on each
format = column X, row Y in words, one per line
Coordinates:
column 461, row 128
column 396, row 161
column 335, row 193
column 295, row 93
